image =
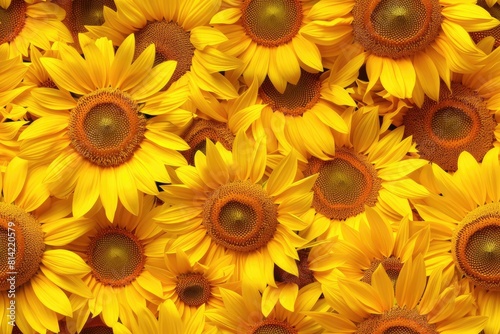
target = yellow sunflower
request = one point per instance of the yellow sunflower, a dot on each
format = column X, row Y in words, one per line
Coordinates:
column 367, row 170
column 242, row 313
column 93, row 325
column 414, row 305
column 464, row 222
column 411, row 44
column 192, row 286
column 80, row 13
column 224, row 203
column 493, row 7
column 375, row 243
column 270, row 37
column 126, row 259
column 37, row 273
column 180, row 31
column 31, row 22
column 97, row 140
column 313, row 104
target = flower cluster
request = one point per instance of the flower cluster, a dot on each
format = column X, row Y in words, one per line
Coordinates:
column 250, row 166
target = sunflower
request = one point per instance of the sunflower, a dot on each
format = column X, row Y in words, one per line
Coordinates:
column 271, row 38
column 242, row 313
column 375, row 243
column 97, row 140
column 223, row 203
column 463, row 119
column 411, row 44
column 180, row 32
column 464, row 227
column 414, row 305
column 192, row 286
column 367, row 170
column 125, row 259
column 493, row 7
column 31, row 22
column 93, row 325
column 313, row 104
column 37, row 272
column 80, row 13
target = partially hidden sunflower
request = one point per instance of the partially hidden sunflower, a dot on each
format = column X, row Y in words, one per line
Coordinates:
column 192, row 286
column 275, row 38
column 126, row 261
column 493, row 7
column 37, row 273
column 411, row 44
column 464, row 221
column 97, row 140
column 224, row 202
column 413, row 305
column 180, row 31
column 31, row 22
column 242, row 313
column 367, row 170
column 313, row 104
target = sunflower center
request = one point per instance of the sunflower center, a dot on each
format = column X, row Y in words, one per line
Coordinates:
column 21, row 246
column 460, row 121
column 203, row 129
column 397, row 321
column 296, row 99
column 193, row 289
column 12, row 20
column 97, row 330
column 392, row 267
column 171, row 42
column 116, row 256
column 306, row 275
column 106, row 127
column 89, row 12
column 273, row 326
column 240, row 216
column 344, row 185
column 476, row 246
column 395, row 28
column 271, row 22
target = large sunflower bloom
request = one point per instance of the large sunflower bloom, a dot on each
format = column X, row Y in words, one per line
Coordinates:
column 367, row 169
column 223, row 203
column 313, row 104
column 126, row 261
column 99, row 143
column 180, row 31
column 464, row 223
column 271, row 38
column 242, row 313
column 414, row 305
column 36, row 274
column 412, row 44
column 31, row 22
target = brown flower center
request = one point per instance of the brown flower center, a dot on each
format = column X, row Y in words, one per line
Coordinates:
column 203, row 129
column 240, row 216
column 106, row 127
column 97, row 330
column 193, row 289
column 396, row 28
column 306, row 275
column 12, row 20
column 171, row 42
column 116, row 256
column 297, row 99
column 392, row 267
column 459, row 122
column 271, row 22
column 21, row 246
column 273, row 326
column 344, row 185
column 397, row 321
column 476, row 246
